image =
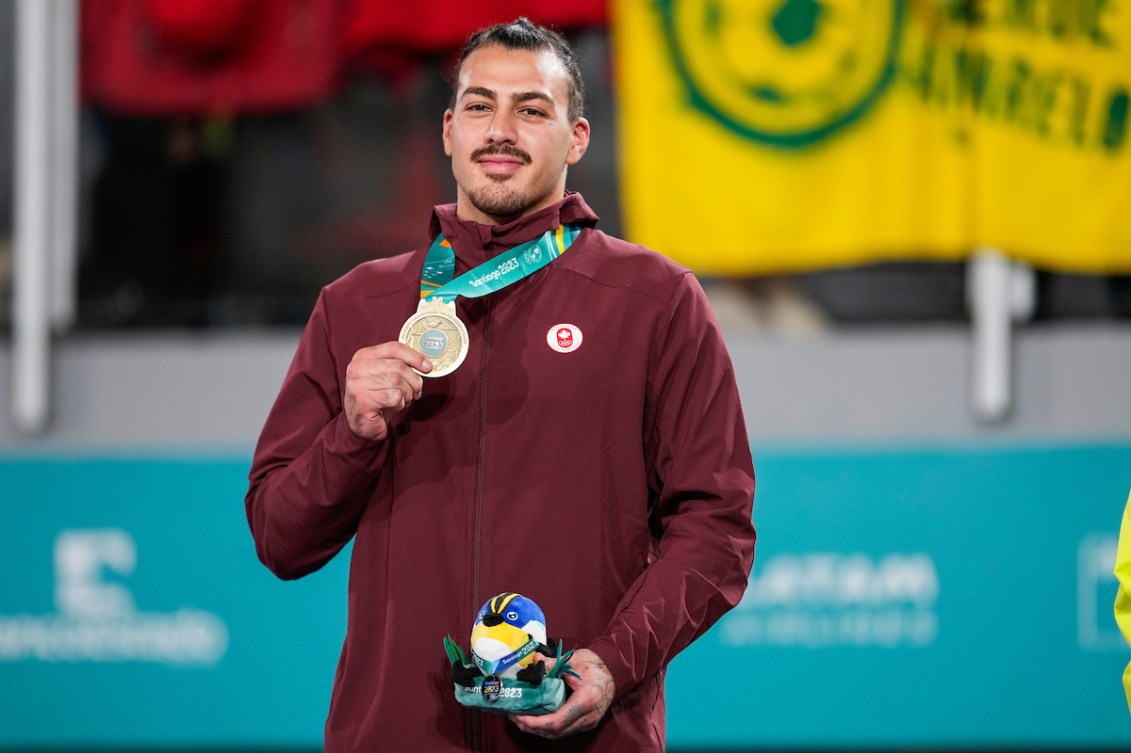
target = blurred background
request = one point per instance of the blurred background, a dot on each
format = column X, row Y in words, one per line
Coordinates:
column 910, row 216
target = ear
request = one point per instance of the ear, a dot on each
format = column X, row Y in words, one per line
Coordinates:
column 580, row 141
column 447, row 135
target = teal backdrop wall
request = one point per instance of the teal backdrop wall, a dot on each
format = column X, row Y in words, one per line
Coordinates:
column 949, row 595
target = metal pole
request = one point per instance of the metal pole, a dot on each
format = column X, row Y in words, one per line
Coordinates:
column 63, row 62
column 1000, row 292
column 31, row 333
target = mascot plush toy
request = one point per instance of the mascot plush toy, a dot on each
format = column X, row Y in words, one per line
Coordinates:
column 507, row 671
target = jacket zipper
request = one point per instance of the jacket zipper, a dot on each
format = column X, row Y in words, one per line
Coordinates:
column 477, row 742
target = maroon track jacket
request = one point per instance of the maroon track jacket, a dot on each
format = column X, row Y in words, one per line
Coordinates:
column 612, row 483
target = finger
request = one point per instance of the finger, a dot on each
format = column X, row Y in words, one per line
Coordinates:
column 561, row 728
column 365, row 365
column 400, row 352
column 554, row 724
column 582, row 714
column 375, row 406
column 383, row 378
column 390, row 400
column 535, row 725
column 541, row 724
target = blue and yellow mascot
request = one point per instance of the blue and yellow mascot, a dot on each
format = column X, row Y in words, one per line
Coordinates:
column 507, row 672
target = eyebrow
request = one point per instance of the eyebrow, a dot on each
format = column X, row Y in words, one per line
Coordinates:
column 518, row 98
column 527, row 96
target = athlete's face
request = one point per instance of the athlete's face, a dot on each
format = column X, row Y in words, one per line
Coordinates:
column 509, row 133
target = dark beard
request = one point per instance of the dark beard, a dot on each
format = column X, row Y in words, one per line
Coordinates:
column 499, row 201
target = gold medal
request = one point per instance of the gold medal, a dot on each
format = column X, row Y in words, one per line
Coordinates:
column 435, row 331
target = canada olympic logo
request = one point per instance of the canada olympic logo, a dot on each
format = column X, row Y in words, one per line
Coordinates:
column 564, row 338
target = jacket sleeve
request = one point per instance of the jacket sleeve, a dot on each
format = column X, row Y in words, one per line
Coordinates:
column 701, row 490
column 311, row 476
column 1123, row 594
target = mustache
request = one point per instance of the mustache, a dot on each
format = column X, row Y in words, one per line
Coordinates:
column 501, row 150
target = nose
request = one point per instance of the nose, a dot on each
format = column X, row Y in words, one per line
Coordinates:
column 502, row 129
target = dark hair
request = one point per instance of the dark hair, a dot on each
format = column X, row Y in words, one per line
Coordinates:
column 521, row 34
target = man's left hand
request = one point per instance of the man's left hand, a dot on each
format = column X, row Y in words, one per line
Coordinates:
column 591, row 698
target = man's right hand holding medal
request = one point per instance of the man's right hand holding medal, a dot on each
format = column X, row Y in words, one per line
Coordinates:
column 380, row 382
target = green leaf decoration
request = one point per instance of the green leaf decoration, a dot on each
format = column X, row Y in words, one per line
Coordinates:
column 454, row 652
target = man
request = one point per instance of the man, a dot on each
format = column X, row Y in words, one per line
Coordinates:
column 588, row 449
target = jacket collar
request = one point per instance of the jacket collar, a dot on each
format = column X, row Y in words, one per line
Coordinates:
column 475, row 243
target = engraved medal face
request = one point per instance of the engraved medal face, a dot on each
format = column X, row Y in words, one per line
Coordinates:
column 437, row 332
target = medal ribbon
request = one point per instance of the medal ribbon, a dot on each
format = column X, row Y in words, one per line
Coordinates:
column 500, row 666
column 494, row 274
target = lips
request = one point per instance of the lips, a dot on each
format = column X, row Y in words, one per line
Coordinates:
column 500, row 165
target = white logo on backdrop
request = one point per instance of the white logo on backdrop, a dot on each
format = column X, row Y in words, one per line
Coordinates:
column 822, row 599
column 98, row 620
column 1095, row 593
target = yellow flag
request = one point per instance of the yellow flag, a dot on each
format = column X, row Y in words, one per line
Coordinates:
column 781, row 135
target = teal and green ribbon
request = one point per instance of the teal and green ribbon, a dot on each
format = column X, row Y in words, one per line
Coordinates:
column 507, row 268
